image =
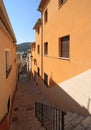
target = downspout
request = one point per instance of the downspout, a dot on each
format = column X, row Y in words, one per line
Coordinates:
column 42, row 45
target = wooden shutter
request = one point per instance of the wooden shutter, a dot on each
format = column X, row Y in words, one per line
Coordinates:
column 46, row 48
column 45, row 78
column 65, row 47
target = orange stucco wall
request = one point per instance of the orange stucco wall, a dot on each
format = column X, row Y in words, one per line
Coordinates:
column 73, row 18
column 38, row 56
column 7, row 85
column 35, row 53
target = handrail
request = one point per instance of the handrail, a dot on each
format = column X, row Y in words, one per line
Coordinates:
column 50, row 117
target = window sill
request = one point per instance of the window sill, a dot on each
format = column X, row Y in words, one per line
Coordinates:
column 45, row 23
column 45, row 54
column 1, row 121
column 8, row 71
column 61, row 4
column 64, row 58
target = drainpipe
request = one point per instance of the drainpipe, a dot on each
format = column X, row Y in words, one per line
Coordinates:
column 42, row 45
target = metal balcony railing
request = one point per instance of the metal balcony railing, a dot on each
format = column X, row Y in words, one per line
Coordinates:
column 50, row 117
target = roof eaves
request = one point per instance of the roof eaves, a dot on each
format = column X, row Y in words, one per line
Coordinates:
column 6, row 21
column 33, row 43
column 42, row 4
column 38, row 23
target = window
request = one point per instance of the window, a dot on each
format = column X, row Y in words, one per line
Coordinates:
column 62, row 2
column 38, row 49
column 64, row 46
column 46, row 16
column 38, row 30
column 34, row 76
column 45, row 79
column 8, row 105
column 7, row 60
column 33, row 47
column 35, row 62
column 38, row 70
column 15, row 60
column 46, row 48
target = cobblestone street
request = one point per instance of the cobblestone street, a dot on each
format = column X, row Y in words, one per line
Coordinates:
column 23, row 115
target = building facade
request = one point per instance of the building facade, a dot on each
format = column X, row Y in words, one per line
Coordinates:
column 28, row 60
column 8, row 67
column 36, row 50
column 65, row 59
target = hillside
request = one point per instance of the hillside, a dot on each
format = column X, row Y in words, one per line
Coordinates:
column 24, row 46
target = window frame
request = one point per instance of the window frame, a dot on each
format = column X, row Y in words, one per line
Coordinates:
column 46, row 16
column 62, row 48
column 7, row 63
column 38, row 30
column 62, row 2
column 35, row 62
column 38, row 71
column 33, row 47
column 46, row 48
column 38, row 49
column 46, row 79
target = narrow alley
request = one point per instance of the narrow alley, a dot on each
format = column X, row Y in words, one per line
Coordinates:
column 23, row 115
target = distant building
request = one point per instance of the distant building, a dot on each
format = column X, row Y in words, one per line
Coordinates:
column 19, row 57
column 29, row 61
column 8, row 67
column 61, row 54
column 36, row 50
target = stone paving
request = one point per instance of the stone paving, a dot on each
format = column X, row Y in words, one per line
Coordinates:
column 23, row 115
column 73, row 121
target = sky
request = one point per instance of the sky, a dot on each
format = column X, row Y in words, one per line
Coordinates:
column 23, row 15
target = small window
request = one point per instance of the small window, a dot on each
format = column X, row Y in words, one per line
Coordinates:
column 64, row 44
column 34, row 76
column 33, row 47
column 62, row 2
column 7, row 57
column 38, row 70
column 46, row 48
column 7, row 60
column 38, row 30
column 15, row 60
column 35, row 62
column 8, row 105
column 46, row 16
column 45, row 79
column 38, row 49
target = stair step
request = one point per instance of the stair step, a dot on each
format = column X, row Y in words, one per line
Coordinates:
column 79, row 127
column 77, row 121
column 87, row 122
